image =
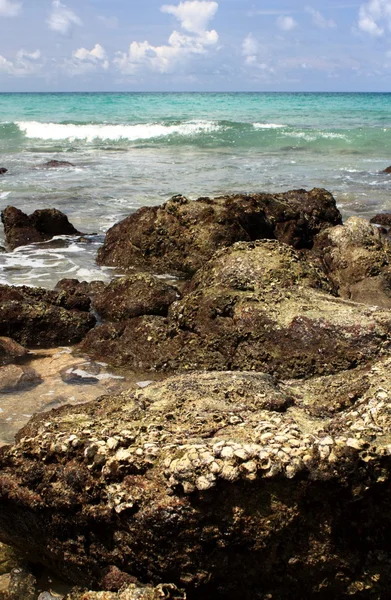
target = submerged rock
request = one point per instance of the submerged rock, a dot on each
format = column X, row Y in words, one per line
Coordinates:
column 3, row 171
column 382, row 219
column 181, row 235
column 387, row 170
column 16, row 378
column 223, row 483
column 38, row 317
column 254, row 306
column 357, row 259
column 11, row 351
column 21, row 229
column 55, row 164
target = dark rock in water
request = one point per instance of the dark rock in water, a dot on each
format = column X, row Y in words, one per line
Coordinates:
column 38, row 317
column 21, row 229
column 3, row 171
column 254, row 306
column 181, row 235
column 10, row 351
column 382, row 219
column 82, row 374
column 387, row 170
column 81, row 288
column 16, row 378
column 223, row 483
column 357, row 259
column 134, row 295
column 55, row 164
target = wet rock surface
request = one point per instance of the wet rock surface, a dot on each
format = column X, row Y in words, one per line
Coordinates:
column 37, row 317
column 11, row 351
column 382, row 219
column 132, row 592
column 223, row 483
column 181, row 235
column 56, row 164
column 18, row 378
column 357, row 259
column 21, row 229
column 255, row 306
column 134, row 295
column 3, row 170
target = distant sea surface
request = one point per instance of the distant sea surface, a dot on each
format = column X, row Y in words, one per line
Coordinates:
column 135, row 149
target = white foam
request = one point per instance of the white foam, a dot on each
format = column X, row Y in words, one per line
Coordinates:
column 89, row 133
column 4, row 195
column 268, row 125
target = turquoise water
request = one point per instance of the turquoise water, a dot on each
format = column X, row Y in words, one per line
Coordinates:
column 131, row 150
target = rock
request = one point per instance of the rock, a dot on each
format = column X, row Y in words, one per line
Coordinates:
column 133, row 592
column 223, row 483
column 81, row 289
column 38, row 317
column 3, row 171
column 16, row 378
column 387, row 170
column 11, row 351
column 21, row 229
column 382, row 219
column 357, row 259
column 8, row 559
column 134, row 295
column 81, row 374
column 179, row 236
column 22, row 584
column 254, row 306
column 55, row 164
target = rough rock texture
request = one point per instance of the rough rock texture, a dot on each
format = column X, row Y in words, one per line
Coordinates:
column 382, row 219
column 15, row 378
column 81, row 288
column 222, row 483
column 255, row 306
column 357, row 259
column 8, row 559
column 21, row 229
column 11, row 351
column 133, row 592
column 37, row 317
column 181, row 235
column 135, row 295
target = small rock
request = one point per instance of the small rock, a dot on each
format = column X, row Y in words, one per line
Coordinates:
column 3, row 171
column 15, row 378
column 55, row 164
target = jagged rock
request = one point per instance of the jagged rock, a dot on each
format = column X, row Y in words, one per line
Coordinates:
column 15, row 378
column 21, row 229
column 133, row 592
column 8, row 559
column 181, row 235
column 10, row 351
column 387, row 170
column 382, row 219
column 38, row 317
column 357, row 259
column 223, row 483
column 81, row 288
column 55, row 164
column 134, row 295
column 23, row 585
column 255, row 306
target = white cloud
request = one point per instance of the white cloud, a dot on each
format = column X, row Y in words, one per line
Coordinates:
column 374, row 17
column 286, row 23
column 250, row 49
column 8, row 8
column 194, row 15
column 318, row 19
column 62, row 19
column 25, row 63
column 85, row 61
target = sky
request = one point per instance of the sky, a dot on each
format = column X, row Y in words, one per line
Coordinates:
column 195, row 45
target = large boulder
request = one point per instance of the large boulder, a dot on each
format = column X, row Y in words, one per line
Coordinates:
column 222, row 483
column 259, row 306
column 357, row 259
column 38, row 317
column 21, row 229
column 179, row 236
column 134, row 295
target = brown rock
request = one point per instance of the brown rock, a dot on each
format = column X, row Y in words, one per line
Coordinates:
column 21, row 229
column 163, row 591
column 387, row 170
column 10, row 351
column 3, row 171
column 16, row 378
column 382, row 219
column 134, row 295
column 181, row 235
column 357, row 259
column 38, row 317
column 55, row 164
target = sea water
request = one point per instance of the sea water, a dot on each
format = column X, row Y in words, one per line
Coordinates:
column 134, row 149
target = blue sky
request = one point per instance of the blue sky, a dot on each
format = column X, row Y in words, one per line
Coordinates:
column 151, row 45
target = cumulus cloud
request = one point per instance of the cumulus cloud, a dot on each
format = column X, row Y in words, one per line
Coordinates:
column 25, row 63
column 86, row 61
column 374, row 17
column 9, row 8
column 286, row 23
column 62, row 19
column 318, row 19
column 194, row 17
column 250, row 49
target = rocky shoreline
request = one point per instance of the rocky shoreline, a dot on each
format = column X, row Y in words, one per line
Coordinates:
column 259, row 465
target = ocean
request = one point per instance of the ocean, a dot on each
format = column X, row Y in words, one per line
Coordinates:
column 136, row 149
